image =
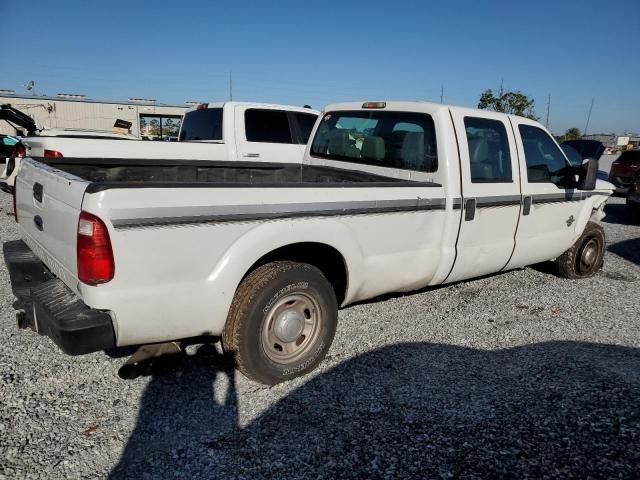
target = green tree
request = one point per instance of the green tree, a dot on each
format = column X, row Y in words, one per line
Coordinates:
column 515, row 103
column 573, row 134
column 570, row 134
column 154, row 127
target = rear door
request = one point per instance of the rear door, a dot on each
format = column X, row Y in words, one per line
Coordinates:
column 266, row 135
column 490, row 193
column 49, row 203
column 550, row 210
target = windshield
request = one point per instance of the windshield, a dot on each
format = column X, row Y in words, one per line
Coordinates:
column 402, row 140
column 205, row 124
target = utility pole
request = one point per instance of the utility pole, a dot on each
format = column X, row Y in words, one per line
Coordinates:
column 586, row 127
column 548, row 107
column 230, row 86
column 441, row 93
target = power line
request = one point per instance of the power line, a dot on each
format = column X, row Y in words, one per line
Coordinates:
column 548, row 108
column 586, row 127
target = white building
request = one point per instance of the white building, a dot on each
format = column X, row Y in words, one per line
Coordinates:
column 77, row 111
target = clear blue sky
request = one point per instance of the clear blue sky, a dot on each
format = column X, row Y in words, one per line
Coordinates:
column 322, row 51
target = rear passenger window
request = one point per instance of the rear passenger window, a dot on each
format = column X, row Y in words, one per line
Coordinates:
column 267, row 126
column 306, row 121
column 545, row 161
column 489, row 156
column 403, row 140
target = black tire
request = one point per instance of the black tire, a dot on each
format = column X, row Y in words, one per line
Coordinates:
column 585, row 258
column 280, row 298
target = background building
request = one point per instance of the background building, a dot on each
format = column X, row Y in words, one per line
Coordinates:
column 615, row 141
column 148, row 118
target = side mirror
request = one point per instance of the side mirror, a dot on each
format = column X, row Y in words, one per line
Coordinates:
column 588, row 174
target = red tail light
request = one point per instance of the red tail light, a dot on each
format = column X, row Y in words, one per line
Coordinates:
column 95, row 256
column 202, row 106
column 15, row 202
column 53, row 154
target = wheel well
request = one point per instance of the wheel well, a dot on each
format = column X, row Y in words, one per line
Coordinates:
column 329, row 260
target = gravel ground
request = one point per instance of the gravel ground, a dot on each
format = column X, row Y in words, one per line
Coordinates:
column 521, row 375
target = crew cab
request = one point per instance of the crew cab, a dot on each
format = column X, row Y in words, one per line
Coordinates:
column 390, row 197
column 211, row 131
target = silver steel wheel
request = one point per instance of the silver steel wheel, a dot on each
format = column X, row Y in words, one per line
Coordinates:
column 291, row 328
column 589, row 256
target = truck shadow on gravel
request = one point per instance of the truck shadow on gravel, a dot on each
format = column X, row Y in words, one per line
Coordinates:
column 560, row 409
column 627, row 249
column 616, row 213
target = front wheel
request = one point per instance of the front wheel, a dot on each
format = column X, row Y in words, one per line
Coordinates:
column 586, row 257
column 281, row 322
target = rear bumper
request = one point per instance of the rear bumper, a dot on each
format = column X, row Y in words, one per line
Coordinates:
column 51, row 308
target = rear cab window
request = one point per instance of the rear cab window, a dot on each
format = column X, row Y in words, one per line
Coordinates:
column 202, row 125
column 267, row 126
column 404, row 140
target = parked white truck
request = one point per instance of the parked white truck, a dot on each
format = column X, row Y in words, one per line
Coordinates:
column 390, row 197
column 210, row 131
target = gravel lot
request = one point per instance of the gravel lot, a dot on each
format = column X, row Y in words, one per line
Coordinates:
column 517, row 375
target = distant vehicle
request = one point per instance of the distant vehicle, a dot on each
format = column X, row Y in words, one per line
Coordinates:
column 10, row 148
column 15, row 148
column 390, row 196
column 83, row 133
column 225, row 131
column 577, row 151
column 625, row 171
column 633, row 201
column 586, row 148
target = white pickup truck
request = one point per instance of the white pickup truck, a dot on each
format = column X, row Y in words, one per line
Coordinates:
column 390, row 197
column 210, row 131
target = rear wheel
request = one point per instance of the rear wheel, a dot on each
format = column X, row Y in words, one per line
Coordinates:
column 281, row 322
column 586, row 257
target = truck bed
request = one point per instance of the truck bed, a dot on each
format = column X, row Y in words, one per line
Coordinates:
column 107, row 173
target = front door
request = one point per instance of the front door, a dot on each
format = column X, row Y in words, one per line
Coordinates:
column 490, row 193
column 549, row 221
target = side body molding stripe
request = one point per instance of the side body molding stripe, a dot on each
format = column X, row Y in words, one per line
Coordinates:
column 130, row 218
column 242, row 213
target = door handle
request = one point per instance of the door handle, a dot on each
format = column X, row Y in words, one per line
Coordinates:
column 37, row 220
column 251, row 155
column 526, row 205
column 37, row 191
column 469, row 209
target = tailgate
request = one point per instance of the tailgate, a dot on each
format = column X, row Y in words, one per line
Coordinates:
column 48, row 204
